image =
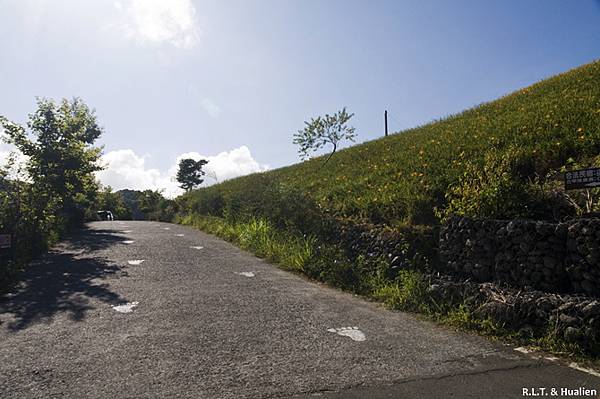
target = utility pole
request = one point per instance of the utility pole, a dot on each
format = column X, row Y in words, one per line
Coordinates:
column 386, row 125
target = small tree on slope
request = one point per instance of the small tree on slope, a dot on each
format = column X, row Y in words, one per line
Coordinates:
column 320, row 131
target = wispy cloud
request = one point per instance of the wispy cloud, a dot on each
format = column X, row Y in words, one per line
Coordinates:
column 210, row 107
column 152, row 22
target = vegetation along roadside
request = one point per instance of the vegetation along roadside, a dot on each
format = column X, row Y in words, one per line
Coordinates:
column 500, row 160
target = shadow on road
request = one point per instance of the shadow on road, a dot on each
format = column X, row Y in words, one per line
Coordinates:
column 94, row 240
column 62, row 281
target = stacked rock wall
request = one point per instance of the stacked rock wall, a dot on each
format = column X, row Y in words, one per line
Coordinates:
column 575, row 318
column 553, row 257
column 413, row 247
column 582, row 262
column 531, row 253
column 468, row 246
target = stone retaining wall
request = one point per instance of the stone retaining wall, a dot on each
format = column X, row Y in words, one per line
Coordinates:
column 533, row 313
column 553, row 257
column 411, row 247
column 582, row 262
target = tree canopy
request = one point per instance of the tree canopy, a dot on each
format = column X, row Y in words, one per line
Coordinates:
column 323, row 130
column 190, row 174
column 61, row 158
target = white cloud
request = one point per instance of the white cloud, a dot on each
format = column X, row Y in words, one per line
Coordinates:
column 160, row 21
column 3, row 156
column 227, row 164
column 210, row 107
column 6, row 151
column 126, row 169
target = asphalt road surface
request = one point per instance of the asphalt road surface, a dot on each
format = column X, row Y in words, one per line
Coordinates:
column 145, row 309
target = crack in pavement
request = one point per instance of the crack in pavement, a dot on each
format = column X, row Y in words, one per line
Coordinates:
column 436, row 377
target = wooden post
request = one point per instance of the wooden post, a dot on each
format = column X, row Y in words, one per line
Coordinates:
column 386, row 125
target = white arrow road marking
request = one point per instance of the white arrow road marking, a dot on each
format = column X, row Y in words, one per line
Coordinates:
column 583, row 369
column 135, row 262
column 128, row 242
column 166, row 228
column 125, row 308
column 197, row 247
column 537, row 355
column 246, row 274
column 351, row 332
column 522, row 349
column 179, row 235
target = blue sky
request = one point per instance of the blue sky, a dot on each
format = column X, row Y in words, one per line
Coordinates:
column 233, row 80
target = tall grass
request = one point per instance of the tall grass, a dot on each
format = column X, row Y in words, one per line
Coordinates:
column 259, row 237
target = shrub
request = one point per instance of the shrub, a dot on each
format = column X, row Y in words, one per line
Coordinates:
column 408, row 292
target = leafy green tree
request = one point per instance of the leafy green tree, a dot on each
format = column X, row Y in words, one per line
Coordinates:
column 323, row 130
column 190, row 173
column 9, row 198
column 156, row 207
column 148, row 202
column 61, row 157
column 114, row 202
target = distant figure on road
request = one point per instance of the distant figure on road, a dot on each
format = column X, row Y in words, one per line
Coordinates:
column 105, row 215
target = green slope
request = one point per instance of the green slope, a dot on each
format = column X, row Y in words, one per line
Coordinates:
column 490, row 160
column 500, row 159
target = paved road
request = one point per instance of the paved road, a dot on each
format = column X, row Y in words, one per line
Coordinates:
column 200, row 318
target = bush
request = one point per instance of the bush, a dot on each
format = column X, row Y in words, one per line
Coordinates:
column 408, row 292
column 258, row 196
column 491, row 189
column 58, row 189
column 294, row 253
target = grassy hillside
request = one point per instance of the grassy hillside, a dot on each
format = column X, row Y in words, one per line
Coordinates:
column 367, row 222
column 493, row 160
